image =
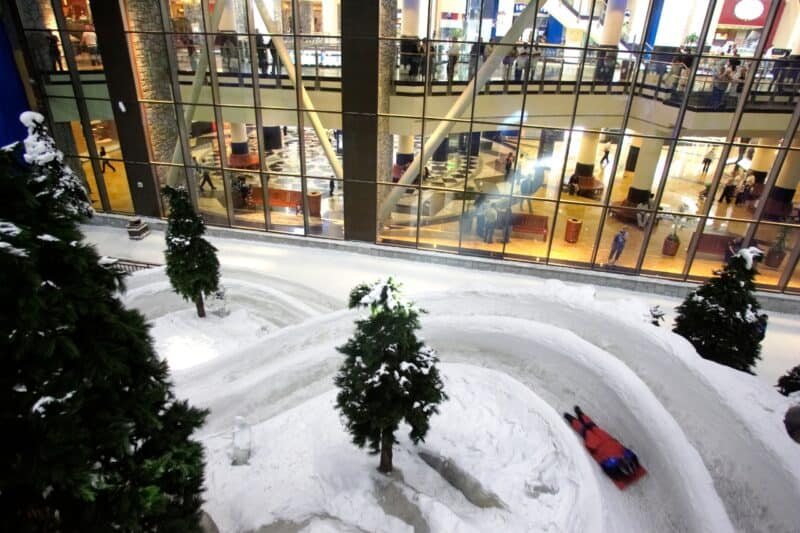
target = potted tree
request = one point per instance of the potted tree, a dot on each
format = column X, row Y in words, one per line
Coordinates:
column 672, row 242
column 777, row 251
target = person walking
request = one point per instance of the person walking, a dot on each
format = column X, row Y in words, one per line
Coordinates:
column 206, row 179
column 526, row 189
column 104, row 160
column 332, row 186
column 508, row 221
column 509, row 164
column 720, row 84
column 606, row 153
column 276, row 68
column 709, row 157
column 54, row 52
column 618, row 245
column 453, row 54
column 490, row 223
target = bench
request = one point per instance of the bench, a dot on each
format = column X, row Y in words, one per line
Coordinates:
column 715, row 243
column 588, row 186
column 624, row 211
column 527, row 223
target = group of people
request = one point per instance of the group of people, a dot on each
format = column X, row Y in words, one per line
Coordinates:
column 727, row 72
column 488, row 218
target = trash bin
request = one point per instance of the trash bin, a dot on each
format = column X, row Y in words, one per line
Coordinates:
column 314, row 203
column 573, row 230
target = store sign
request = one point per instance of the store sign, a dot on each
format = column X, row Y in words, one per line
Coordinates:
column 750, row 13
column 519, row 8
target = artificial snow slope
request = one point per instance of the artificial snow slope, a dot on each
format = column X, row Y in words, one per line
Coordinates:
column 711, row 437
column 732, row 419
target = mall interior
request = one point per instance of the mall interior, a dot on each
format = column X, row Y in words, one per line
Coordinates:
column 642, row 137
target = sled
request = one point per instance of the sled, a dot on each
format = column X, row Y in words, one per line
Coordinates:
column 622, row 484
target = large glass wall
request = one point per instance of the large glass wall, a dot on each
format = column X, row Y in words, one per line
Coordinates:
column 613, row 141
column 645, row 137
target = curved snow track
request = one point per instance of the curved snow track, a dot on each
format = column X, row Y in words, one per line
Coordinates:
column 710, row 468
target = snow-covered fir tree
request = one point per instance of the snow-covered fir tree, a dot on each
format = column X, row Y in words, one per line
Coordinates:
column 93, row 437
column 789, row 382
column 722, row 317
column 192, row 264
column 388, row 374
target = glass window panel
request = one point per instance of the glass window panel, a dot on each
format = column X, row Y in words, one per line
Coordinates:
column 713, row 243
column 778, row 243
column 36, row 14
column 574, row 234
column 531, row 224
column 282, row 149
column 669, row 242
column 175, row 176
column 318, row 163
column 115, row 177
column 276, row 90
column 161, row 127
column 285, row 204
column 186, row 16
column 83, row 168
column 203, row 137
column 440, row 219
column 247, row 198
column 47, row 53
column 586, row 180
column 622, row 240
column 691, row 171
column 401, row 226
column 322, row 69
column 325, row 207
column 794, row 282
column 490, row 214
column 211, row 194
column 241, row 139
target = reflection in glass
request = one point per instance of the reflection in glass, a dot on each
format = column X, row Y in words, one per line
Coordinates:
column 718, row 241
column 401, row 227
column 285, row 205
column 778, row 242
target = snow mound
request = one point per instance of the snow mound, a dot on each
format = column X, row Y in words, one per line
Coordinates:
column 304, row 472
column 185, row 340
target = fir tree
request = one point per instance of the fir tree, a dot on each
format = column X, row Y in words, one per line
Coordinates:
column 388, row 374
column 93, row 438
column 789, row 382
column 192, row 264
column 721, row 318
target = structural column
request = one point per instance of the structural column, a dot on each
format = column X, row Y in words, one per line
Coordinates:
column 410, row 25
column 763, row 159
column 360, row 65
column 587, row 152
column 609, row 40
column 779, row 203
column 405, row 150
column 633, row 156
column 645, row 170
column 306, row 17
column 330, row 17
column 442, row 151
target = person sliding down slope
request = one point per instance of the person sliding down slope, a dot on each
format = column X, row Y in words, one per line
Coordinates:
column 617, row 461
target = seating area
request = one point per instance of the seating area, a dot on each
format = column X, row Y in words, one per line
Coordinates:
column 524, row 223
column 589, row 186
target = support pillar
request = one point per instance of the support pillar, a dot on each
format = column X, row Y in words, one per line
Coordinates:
column 405, row 150
column 645, row 171
column 779, row 203
column 587, row 153
column 410, row 23
column 330, row 17
column 240, row 156
column 442, row 151
column 763, row 159
column 306, row 17
column 633, row 156
column 609, row 40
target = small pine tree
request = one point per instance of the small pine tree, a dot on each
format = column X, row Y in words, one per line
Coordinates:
column 388, row 374
column 721, row 318
column 93, row 437
column 192, row 264
column 789, row 382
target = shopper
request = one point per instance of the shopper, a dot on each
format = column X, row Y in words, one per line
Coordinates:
column 453, row 54
column 104, row 160
column 89, row 43
column 618, row 245
column 606, row 153
column 490, row 221
column 54, row 52
column 206, row 179
column 509, row 164
column 709, row 157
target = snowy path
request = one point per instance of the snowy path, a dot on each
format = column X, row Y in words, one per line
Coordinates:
column 711, row 437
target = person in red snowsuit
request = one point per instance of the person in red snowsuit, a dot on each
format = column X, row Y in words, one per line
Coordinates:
column 616, row 460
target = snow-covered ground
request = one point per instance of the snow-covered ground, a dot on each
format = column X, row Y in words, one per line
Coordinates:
column 516, row 352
